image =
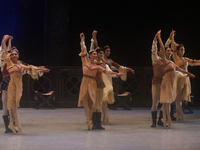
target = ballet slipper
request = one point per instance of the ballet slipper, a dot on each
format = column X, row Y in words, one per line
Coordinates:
column 164, row 122
column 89, row 123
column 107, row 119
column 169, row 123
column 11, row 127
column 103, row 119
column 19, row 129
column 181, row 118
column 177, row 116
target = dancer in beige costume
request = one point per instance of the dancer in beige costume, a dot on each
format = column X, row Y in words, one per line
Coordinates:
column 15, row 85
column 108, row 90
column 168, row 85
column 183, row 84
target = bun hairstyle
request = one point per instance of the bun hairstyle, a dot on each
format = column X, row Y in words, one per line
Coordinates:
column 106, row 47
column 179, row 46
column 98, row 49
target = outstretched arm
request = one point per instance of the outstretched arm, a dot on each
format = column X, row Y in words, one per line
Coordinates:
column 192, row 62
column 185, row 72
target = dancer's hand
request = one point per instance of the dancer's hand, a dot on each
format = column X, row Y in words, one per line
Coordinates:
column 10, row 37
column 191, row 75
column 120, row 74
column 94, row 33
column 172, row 34
column 82, row 35
column 155, row 38
column 159, row 33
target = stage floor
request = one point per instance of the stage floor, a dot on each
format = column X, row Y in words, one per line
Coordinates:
column 65, row 129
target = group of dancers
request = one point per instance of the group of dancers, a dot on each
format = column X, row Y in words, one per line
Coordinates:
column 96, row 89
column 11, row 85
column 171, row 83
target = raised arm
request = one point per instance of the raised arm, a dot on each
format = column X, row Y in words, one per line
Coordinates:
column 94, row 37
column 154, row 51
column 9, row 42
column 169, row 40
column 162, row 49
column 174, row 49
column 3, row 43
column 83, row 53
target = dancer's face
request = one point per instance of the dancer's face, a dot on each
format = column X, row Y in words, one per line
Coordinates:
column 168, row 53
column 14, row 56
column 93, row 55
column 107, row 52
column 100, row 54
column 181, row 51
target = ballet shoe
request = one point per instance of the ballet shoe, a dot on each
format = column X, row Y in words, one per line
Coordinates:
column 11, row 127
column 107, row 119
column 19, row 129
column 169, row 123
column 164, row 122
column 181, row 118
column 103, row 119
column 89, row 123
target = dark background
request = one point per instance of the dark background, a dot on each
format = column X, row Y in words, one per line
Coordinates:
column 46, row 32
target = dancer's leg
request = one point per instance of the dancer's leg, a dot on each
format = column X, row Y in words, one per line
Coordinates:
column 11, row 126
column 167, row 108
column 4, row 102
column 164, row 115
column 16, row 117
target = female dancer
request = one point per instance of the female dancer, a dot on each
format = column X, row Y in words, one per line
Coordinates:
column 14, row 92
column 108, row 90
column 168, row 85
column 88, row 89
column 183, row 84
column 4, row 86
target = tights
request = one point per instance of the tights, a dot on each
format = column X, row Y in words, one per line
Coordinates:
column 4, row 102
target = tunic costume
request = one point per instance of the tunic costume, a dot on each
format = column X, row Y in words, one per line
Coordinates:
column 168, row 85
column 158, row 72
column 100, row 83
column 14, row 92
column 183, row 85
column 88, row 88
column 108, row 90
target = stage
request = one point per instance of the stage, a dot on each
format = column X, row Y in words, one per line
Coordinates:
column 65, row 129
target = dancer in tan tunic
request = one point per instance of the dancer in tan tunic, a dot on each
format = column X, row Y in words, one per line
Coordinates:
column 88, row 89
column 168, row 85
column 15, row 85
column 183, row 84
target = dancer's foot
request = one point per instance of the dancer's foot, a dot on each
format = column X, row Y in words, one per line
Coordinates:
column 19, row 129
column 169, row 123
column 103, row 119
column 89, row 123
column 11, row 127
column 107, row 119
column 164, row 122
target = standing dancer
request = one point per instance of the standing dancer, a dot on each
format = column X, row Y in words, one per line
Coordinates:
column 108, row 90
column 14, row 92
column 183, row 84
column 168, row 85
column 158, row 72
column 88, row 89
column 4, row 86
